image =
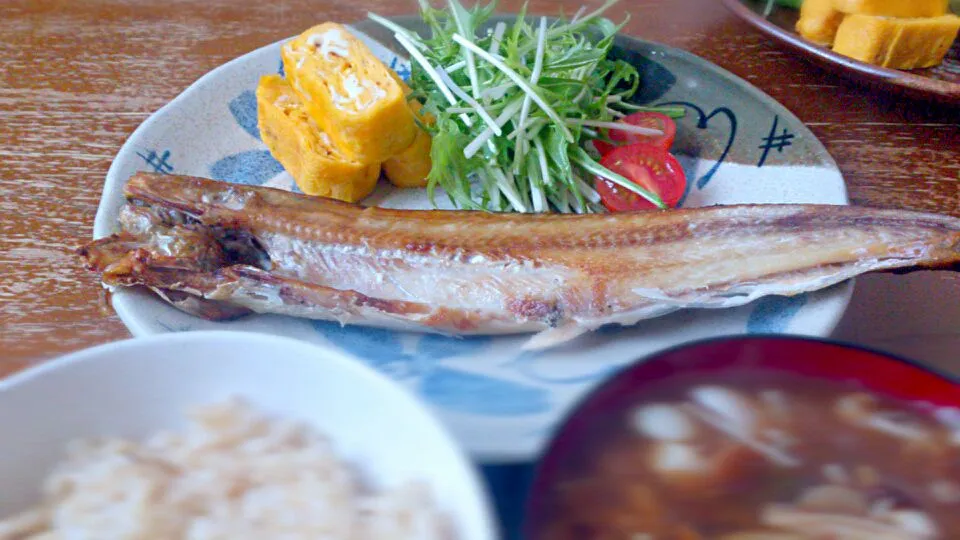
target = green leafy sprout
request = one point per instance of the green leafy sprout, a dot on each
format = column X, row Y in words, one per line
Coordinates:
column 768, row 8
column 516, row 106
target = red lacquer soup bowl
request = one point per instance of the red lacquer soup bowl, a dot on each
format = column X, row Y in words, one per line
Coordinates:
column 801, row 369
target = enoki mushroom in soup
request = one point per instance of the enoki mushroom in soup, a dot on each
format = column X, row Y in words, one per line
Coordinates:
column 763, row 457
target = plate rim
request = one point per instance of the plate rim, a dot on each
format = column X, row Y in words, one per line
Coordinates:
column 859, row 72
column 518, row 452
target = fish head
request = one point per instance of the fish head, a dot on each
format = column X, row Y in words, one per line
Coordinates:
column 196, row 197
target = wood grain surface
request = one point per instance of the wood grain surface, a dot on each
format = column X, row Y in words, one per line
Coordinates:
column 77, row 77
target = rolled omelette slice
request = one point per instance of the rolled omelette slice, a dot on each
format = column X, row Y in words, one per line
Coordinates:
column 819, row 21
column 409, row 169
column 305, row 150
column 893, row 8
column 349, row 93
column 897, row 43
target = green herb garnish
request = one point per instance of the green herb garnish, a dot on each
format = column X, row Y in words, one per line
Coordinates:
column 768, row 9
column 515, row 106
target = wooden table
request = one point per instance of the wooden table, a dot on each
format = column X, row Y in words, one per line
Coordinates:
column 76, row 78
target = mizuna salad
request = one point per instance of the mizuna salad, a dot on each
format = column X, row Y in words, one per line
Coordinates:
column 534, row 116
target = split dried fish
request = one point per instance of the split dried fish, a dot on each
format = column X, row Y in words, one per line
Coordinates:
column 221, row 250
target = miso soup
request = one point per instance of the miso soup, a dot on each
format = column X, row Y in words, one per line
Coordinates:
column 754, row 457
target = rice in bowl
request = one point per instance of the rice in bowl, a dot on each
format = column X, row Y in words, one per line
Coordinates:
column 232, row 474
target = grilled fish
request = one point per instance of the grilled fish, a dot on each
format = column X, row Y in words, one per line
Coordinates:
column 221, row 250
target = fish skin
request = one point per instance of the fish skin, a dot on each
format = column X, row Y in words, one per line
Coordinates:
column 462, row 272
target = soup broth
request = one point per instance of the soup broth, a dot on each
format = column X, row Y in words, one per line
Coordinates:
column 761, row 457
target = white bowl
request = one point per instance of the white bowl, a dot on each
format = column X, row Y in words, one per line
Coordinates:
column 136, row 387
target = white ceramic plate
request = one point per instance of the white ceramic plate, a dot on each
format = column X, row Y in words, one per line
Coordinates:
column 737, row 145
column 135, row 388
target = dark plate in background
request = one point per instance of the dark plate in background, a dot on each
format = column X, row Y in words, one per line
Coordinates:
column 940, row 84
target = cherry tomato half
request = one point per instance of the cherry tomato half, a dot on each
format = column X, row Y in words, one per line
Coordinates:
column 648, row 166
column 643, row 119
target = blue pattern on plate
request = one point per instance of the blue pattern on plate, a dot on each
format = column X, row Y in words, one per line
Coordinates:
column 244, row 111
column 772, row 314
column 773, row 141
column 253, row 167
column 401, row 68
column 443, row 386
column 703, row 122
column 376, row 345
column 656, row 79
column 158, row 161
column 435, row 346
column 526, row 365
column 459, row 391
